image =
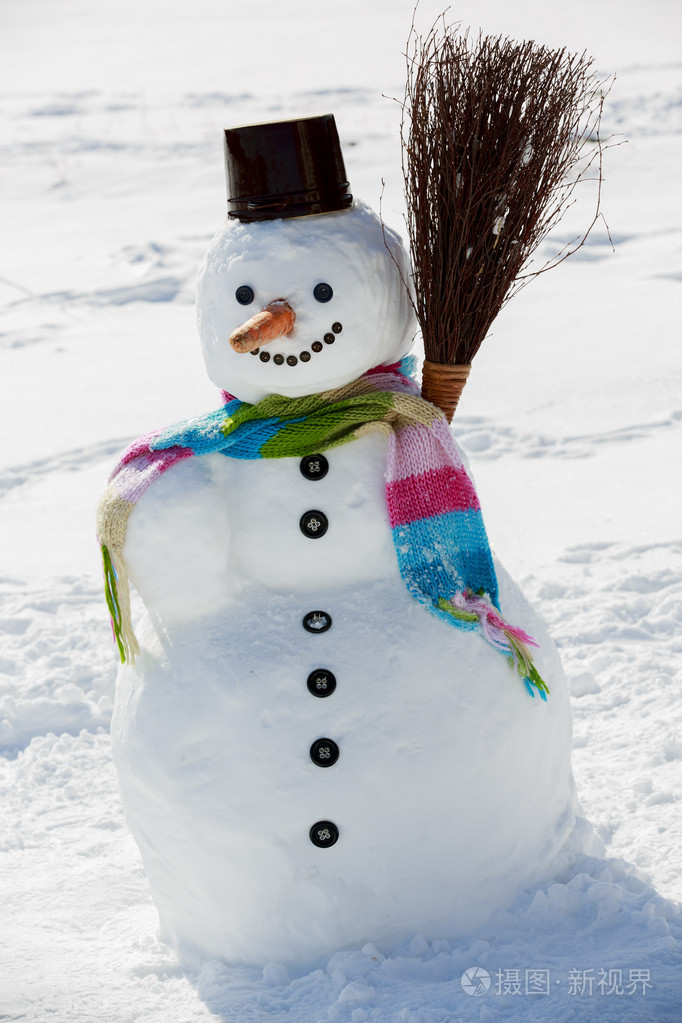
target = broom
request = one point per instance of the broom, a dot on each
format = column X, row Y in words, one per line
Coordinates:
column 494, row 140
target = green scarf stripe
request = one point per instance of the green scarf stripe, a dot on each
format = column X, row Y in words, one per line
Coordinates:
column 111, row 596
column 325, row 428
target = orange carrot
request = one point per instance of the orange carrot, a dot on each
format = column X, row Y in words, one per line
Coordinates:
column 276, row 320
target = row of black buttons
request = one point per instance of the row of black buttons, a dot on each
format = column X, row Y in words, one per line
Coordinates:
column 314, row 523
column 321, row 682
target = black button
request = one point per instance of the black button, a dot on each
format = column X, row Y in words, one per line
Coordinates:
column 337, row 327
column 314, row 467
column 323, row 292
column 304, row 356
column 314, row 524
column 321, row 682
column 317, row 621
column 324, row 752
column 324, row 834
column 291, row 360
column 278, row 359
column 264, row 356
column 329, row 339
column 317, row 346
column 244, row 295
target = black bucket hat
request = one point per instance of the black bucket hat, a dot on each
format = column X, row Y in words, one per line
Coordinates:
column 285, row 169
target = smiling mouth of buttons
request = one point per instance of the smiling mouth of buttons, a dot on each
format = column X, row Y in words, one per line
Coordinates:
column 305, row 356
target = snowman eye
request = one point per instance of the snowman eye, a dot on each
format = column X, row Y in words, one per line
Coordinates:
column 323, row 292
column 244, row 295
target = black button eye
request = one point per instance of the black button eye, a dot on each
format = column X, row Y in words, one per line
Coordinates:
column 323, row 292
column 244, row 295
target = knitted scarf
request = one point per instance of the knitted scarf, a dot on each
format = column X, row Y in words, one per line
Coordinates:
column 435, row 517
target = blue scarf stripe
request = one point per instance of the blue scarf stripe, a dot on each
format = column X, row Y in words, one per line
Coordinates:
column 204, row 434
column 200, row 433
column 252, row 435
column 423, row 557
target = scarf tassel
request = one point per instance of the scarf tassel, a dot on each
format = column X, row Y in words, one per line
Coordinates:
column 468, row 608
column 117, row 593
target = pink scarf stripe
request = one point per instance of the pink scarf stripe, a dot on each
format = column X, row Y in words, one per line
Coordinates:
column 137, row 448
column 140, row 471
column 421, row 449
column 391, row 372
column 434, row 492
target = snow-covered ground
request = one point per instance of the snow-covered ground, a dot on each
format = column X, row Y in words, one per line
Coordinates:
column 112, row 185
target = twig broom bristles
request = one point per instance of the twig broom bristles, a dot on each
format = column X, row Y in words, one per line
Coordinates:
column 491, row 130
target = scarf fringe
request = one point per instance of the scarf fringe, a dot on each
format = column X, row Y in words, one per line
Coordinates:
column 117, row 593
column 468, row 607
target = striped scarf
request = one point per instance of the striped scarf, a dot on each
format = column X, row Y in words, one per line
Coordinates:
column 435, row 517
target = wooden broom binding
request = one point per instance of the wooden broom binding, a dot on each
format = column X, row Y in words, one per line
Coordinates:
column 494, row 143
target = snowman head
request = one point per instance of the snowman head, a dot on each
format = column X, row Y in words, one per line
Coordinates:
column 302, row 288
column 345, row 280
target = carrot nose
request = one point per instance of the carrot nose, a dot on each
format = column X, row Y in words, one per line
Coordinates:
column 276, row 320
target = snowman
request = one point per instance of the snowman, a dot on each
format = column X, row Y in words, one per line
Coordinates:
column 316, row 748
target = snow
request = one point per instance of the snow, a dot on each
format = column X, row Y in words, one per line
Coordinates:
column 112, row 189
